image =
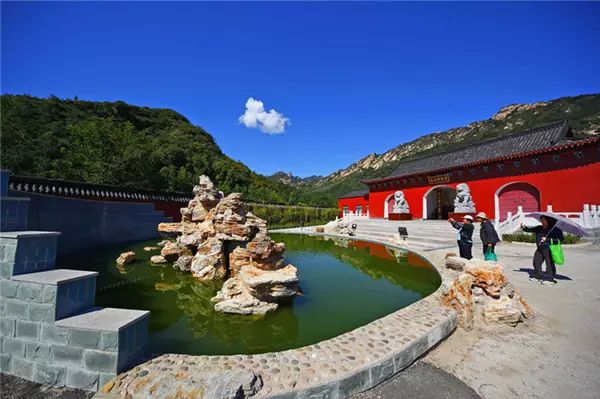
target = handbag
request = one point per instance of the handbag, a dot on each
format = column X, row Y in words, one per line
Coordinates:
column 490, row 255
column 556, row 252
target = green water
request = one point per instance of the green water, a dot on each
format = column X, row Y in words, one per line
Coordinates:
column 345, row 285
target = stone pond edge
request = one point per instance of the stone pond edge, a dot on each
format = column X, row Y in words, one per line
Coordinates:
column 364, row 376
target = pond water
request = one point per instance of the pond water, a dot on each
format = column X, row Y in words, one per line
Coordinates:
column 345, row 284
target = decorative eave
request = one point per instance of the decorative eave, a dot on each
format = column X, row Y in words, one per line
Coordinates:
column 566, row 146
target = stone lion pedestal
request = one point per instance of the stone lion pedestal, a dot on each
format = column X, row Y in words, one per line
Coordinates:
column 400, row 216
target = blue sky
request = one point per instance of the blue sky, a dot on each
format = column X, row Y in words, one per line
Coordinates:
column 353, row 78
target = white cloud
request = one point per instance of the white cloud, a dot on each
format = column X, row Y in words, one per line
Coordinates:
column 270, row 122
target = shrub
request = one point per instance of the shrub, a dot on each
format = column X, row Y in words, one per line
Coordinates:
column 530, row 237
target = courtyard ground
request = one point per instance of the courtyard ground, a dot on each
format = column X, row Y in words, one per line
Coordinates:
column 557, row 355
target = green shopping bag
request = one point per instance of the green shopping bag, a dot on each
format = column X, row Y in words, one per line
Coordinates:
column 490, row 255
column 556, row 252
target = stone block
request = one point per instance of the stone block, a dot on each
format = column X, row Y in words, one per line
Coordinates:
column 5, row 362
column 37, row 352
column 105, row 378
column 30, row 292
column 109, row 341
column 42, row 312
column 50, row 375
column 6, row 269
column 22, row 368
column 100, row 361
column 52, row 334
column 29, row 330
column 13, row 346
column 84, row 338
column 18, row 309
column 8, row 288
column 357, row 382
column 382, row 371
column 67, row 356
column 326, row 391
column 81, row 379
column 2, row 306
column 8, row 326
column 49, row 294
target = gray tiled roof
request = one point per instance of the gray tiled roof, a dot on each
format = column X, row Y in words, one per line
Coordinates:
column 526, row 141
column 355, row 193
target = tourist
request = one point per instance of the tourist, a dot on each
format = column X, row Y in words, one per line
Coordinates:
column 543, row 234
column 488, row 234
column 464, row 236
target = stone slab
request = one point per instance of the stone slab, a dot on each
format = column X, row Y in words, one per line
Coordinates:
column 54, row 277
column 15, row 235
column 104, row 319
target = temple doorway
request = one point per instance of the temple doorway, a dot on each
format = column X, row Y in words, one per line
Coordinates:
column 438, row 202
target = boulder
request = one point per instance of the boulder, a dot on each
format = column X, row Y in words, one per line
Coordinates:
column 229, row 219
column 458, row 296
column 169, row 228
column 238, row 258
column 126, row 258
column 455, row 262
column 183, row 263
column 489, row 276
column 209, row 261
column 265, row 253
column 158, row 260
column 233, row 298
column 502, row 311
column 172, row 251
column 270, row 285
column 162, row 243
column 148, row 249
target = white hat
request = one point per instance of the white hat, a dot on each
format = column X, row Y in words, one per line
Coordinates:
column 468, row 217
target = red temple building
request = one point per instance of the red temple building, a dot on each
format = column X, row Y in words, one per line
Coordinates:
column 525, row 171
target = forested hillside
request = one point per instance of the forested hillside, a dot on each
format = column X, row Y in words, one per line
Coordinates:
column 121, row 144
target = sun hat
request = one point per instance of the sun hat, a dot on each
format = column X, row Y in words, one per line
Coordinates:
column 481, row 215
column 468, row 217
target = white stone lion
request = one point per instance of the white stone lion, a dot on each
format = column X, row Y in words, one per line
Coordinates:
column 463, row 201
column 400, row 204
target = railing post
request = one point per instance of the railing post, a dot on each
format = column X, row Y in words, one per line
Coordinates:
column 509, row 219
column 586, row 219
column 549, row 208
column 594, row 216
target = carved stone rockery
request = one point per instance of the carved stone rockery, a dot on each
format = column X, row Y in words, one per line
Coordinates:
column 218, row 238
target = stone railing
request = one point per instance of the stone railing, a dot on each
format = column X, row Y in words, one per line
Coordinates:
column 588, row 218
column 65, row 188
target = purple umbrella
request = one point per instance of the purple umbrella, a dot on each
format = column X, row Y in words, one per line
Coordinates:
column 563, row 223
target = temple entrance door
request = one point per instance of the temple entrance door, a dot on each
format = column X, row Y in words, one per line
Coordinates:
column 518, row 194
column 439, row 202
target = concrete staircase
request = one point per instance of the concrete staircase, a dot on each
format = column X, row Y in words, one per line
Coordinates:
column 425, row 235
column 50, row 331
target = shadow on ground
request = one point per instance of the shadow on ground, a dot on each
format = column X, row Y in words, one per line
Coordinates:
column 12, row 387
column 530, row 272
column 420, row 381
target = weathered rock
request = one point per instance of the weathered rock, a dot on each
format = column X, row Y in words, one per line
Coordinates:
column 458, row 296
column 399, row 241
column 126, row 258
column 229, row 219
column 158, row 260
column 162, row 243
column 183, row 263
column 148, row 249
column 338, row 226
column 455, row 262
column 209, row 261
column 270, row 285
column 489, row 276
column 502, row 311
column 238, row 258
column 169, row 228
column 233, row 298
column 265, row 253
column 319, row 229
column 224, row 384
column 206, row 197
column 172, row 251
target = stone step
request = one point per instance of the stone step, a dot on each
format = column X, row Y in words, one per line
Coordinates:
column 13, row 213
column 27, row 252
column 49, row 295
column 123, row 331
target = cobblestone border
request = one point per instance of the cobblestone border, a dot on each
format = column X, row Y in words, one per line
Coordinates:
column 335, row 368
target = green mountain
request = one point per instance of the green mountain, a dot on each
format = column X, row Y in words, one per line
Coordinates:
column 122, row 144
column 582, row 112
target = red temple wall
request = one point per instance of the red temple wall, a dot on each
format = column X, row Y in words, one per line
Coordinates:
column 565, row 184
column 352, row 203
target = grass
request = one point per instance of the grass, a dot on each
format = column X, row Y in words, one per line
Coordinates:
column 529, row 237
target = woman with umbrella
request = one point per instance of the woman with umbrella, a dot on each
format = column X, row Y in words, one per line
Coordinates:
column 543, row 235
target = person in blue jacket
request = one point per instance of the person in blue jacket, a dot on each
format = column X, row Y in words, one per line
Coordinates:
column 543, row 234
column 464, row 237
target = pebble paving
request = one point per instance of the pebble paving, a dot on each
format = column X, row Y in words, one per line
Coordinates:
column 335, row 368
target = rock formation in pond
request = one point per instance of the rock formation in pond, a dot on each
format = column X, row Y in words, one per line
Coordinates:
column 217, row 239
column 481, row 294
